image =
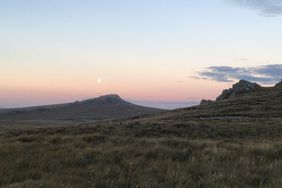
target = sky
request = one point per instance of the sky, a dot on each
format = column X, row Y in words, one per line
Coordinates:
column 151, row 51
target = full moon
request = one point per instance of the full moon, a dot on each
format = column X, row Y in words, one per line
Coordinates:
column 99, row 80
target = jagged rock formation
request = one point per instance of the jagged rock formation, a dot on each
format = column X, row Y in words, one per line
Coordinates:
column 241, row 87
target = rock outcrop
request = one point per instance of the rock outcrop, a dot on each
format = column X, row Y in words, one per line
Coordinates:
column 241, row 87
column 205, row 101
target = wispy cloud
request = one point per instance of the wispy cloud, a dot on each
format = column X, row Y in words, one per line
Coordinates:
column 267, row 74
column 266, row 7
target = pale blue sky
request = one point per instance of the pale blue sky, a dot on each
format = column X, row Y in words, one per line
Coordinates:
column 58, row 46
column 216, row 29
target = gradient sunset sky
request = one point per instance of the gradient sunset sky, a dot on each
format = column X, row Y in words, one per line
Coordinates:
column 144, row 50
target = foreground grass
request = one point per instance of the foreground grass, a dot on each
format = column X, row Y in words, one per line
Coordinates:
column 141, row 155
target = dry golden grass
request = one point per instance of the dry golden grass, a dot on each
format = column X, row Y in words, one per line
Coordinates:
column 137, row 153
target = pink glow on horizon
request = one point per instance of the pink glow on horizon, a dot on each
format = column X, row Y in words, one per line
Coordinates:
column 36, row 94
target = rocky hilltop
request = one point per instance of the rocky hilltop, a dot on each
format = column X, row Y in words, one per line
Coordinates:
column 241, row 87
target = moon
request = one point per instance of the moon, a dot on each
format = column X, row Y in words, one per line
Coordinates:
column 99, row 80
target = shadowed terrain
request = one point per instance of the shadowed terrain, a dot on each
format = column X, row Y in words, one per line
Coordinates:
column 104, row 107
column 235, row 142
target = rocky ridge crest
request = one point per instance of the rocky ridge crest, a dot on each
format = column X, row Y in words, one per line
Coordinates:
column 243, row 86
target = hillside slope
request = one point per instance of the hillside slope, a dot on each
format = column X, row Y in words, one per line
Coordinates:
column 261, row 102
column 256, row 114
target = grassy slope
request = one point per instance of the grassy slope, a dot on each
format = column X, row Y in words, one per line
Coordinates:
column 264, row 102
column 223, row 144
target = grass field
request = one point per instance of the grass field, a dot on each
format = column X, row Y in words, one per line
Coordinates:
column 227, row 153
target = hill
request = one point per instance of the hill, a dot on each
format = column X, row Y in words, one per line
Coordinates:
column 235, row 142
column 101, row 108
column 258, row 102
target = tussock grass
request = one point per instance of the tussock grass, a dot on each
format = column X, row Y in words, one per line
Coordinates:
column 200, row 153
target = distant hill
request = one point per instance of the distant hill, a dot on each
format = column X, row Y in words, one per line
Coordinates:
column 101, row 108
